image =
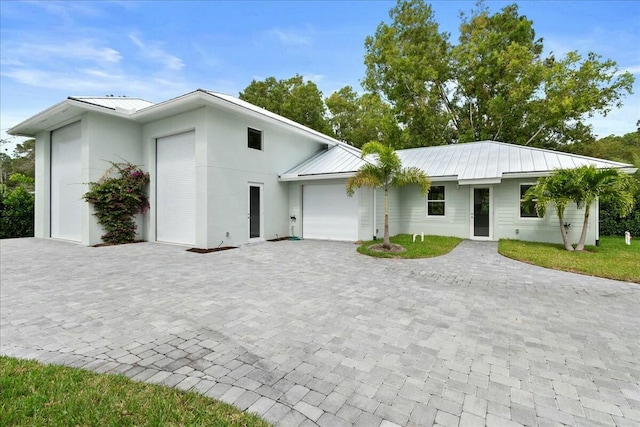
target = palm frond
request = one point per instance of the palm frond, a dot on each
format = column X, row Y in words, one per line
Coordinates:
column 412, row 175
column 367, row 176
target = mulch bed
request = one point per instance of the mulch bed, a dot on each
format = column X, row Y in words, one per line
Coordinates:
column 206, row 251
column 101, row 245
column 279, row 239
column 395, row 249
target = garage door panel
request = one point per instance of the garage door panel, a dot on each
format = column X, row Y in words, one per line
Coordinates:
column 66, row 183
column 328, row 213
column 176, row 189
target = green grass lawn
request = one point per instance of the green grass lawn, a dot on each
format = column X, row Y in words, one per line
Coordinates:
column 32, row 394
column 613, row 259
column 432, row 246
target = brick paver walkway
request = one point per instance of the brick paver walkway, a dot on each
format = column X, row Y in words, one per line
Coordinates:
column 311, row 333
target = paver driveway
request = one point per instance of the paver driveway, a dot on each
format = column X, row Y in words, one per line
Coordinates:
column 311, row 333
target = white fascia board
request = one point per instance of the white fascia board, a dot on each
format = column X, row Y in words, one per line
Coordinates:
column 448, row 178
column 483, row 181
column 199, row 98
column 526, row 174
column 37, row 123
column 320, row 176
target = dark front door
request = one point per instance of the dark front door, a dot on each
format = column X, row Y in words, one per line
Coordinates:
column 255, row 208
column 481, row 212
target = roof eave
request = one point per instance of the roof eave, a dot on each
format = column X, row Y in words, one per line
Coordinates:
column 37, row 123
column 314, row 177
column 200, row 98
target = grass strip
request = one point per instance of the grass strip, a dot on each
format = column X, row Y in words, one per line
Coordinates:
column 431, row 247
column 33, row 394
column 613, row 259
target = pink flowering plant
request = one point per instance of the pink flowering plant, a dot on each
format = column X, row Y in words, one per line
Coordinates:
column 117, row 197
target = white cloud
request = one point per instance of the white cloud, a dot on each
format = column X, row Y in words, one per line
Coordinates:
column 155, row 52
column 316, row 78
column 78, row 49
column 292, row 38
column 633, row 69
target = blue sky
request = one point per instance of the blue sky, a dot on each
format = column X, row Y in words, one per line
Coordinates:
column 157, row 50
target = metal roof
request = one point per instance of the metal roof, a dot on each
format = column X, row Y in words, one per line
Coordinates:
column 468, row 163
column 335, row 160
column 115, row 102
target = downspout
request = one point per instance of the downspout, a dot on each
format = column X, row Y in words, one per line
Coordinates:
column 597, row 221
column 375, row 222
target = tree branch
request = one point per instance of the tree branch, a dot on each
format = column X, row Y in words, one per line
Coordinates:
column 542, row 126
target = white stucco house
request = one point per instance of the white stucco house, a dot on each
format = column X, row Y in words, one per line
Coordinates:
column 224, row 170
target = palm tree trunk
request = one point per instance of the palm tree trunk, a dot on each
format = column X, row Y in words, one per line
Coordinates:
column 585, row 225
column 386, row 242
column 565, row 235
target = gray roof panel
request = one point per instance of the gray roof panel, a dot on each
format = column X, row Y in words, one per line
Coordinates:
column 484, row 160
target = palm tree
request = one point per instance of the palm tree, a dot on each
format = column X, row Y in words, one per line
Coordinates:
column 557, row 188
column 606, row 184
column 583, row 185
column 386, row 172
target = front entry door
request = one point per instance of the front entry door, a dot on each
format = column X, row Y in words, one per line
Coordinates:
column 255, row 211
column 481, row 213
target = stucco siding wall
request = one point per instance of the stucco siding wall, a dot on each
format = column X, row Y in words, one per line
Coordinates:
column 509, row 225
column 42, row 208
column 234, row 165
column 455, row 222
column 108, row 139
column 190, row 121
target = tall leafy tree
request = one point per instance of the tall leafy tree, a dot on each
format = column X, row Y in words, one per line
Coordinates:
column 293, row 98
column 24, row 158
column 358, row 119
column 384, row 170
column 494, row 83
column 409, row 64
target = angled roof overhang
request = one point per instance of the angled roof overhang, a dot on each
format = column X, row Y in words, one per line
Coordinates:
column 201, row 98
column 73, row 106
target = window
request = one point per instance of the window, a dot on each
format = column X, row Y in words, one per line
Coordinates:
column 526, row 213
column 435, row 201
column 255, row 139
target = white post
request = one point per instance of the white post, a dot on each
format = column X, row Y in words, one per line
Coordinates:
column 627, row 237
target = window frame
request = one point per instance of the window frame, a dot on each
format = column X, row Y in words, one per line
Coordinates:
column 253, row 131
column 534, row 214
column 443, row 201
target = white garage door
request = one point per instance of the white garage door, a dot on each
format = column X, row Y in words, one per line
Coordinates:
column 176, row 189
column 328, row 213
column 66, row 183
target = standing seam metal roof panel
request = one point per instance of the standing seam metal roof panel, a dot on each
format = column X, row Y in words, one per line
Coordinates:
column 469, row 161
column 114, row 102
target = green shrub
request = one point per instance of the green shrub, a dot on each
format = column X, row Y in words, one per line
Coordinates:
column 117, row 197
column 16, row 207
column 612, row 225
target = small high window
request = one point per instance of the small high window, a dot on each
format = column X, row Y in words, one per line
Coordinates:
column 524, row 212
column 255, row 139
column 435, row 201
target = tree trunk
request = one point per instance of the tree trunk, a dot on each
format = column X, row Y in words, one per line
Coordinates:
column 386, row 242
column 585, row 225
column 565, row 236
